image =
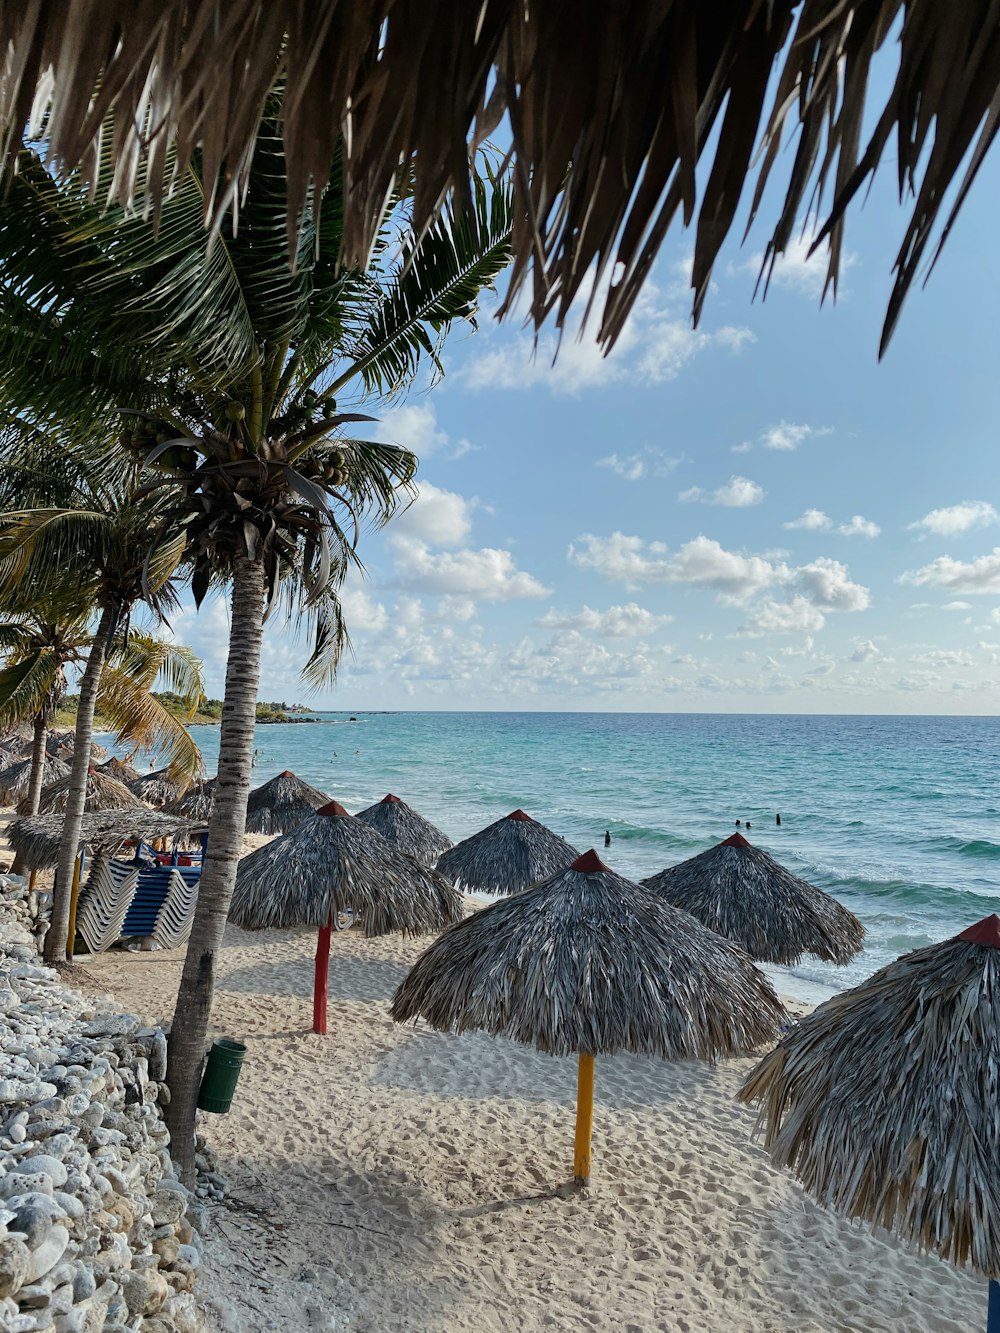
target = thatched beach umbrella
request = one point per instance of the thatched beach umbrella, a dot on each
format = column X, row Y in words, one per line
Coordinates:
column 158, row 788
column 587, row 963
column 103, row 793
column 280, row 806
column 14, row 778
column 35, row 839
column 405, row 829
column 743, row 893
column 118, row 769
column 507, row 856
column 334, row 863
column 196, row 803
column 883, row 1101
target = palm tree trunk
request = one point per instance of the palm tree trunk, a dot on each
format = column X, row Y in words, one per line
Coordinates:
column 189, row 1031
column 56, row 942
column 36, row 774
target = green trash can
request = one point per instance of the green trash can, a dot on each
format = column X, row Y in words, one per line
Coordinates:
column 222, row 1070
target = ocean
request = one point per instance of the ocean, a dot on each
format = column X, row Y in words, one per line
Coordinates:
column 895, row 816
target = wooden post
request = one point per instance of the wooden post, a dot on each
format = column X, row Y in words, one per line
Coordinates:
column 73, row 900
column 584, row 1118
column 993, row 1314
column 320, row 983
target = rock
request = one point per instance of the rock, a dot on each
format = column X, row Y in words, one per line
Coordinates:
column 48, row 1254
column 19, row 1183
column 111, row 1025
column 136, row 1291
column 84, row 1284
column 15, row 1259
column 34, row 1215
column 159, row 1292
column 45, row 1164
column 167, row 1206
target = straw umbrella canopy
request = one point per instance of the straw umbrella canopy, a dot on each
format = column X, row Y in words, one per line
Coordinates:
column 14, row 778
column 743, row 893
column 588, row 963
column 196, row 803
column 103, row 793
column 405, row 829
column 158, row 788
column 118, row 769
column 280, row 806
column 334, row 863
column 883, row 1101
column 36, row 839
column 507, row 856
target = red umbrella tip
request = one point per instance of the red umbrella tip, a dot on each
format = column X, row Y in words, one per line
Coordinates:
column 287, row 774
column 390, row 800
column 589, row 864
column 520, row 815
column 91, row 768
column 985, row 932
column 737, row 840
column 332, row 808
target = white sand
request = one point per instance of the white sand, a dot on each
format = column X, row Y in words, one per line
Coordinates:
column 387, row 1179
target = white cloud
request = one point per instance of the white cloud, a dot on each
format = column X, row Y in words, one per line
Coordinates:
column 975, row 576
column 826, row 583
column 866, row 651
column 859, row 527
column 700, row 563
column 957, row 606
column 796, row 270
column 644, row 463
column 737, row 493
column 436, row 516
column 361, row 612
column 744, row 447
column 813, row 520
column 945, row 657
column 795, row 617
column 628, row 621
column 786, row 436
column 655, row 345
column 486, row 575
column 414, row 426
column 954, row 519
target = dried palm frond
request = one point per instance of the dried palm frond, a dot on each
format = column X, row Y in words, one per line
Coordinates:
column 15, row 777
column 883, row 1101
column 405, row 829
column 119, row 770
column 158, row 788
column 279, row 806
column 587, row 961
column 35, row 840
column 743, row 893
column 613, row 113
column 103, row 793
column 507, row 856
column 334, row 863
column 196, row 803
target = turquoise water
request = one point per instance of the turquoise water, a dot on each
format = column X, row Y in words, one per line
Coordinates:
column 899, row 817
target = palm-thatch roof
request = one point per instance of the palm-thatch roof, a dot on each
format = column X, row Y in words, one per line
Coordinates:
column 507, row 856
column 196, row 803
column 743, row 893
column 587, row 961
column 280, row 805
column 614, row 112
column 103, row 793
column 334, row 863
column 119, row 770
column 883, row 1101
column 63, row 742
column 14, row 778
column 405, row 829
column 158, row 788
column 35, row 840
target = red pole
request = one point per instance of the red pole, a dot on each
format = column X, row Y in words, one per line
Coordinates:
column 319, row 986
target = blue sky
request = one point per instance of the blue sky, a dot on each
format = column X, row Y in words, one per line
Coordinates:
column 754, row 516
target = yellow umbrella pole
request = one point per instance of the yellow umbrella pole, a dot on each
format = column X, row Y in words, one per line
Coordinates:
column 584, row 1118
column 74, row 898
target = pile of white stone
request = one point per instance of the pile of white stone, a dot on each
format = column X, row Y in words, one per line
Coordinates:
column 94, row 1228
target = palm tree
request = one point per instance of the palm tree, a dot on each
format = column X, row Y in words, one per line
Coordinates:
column 219, row 373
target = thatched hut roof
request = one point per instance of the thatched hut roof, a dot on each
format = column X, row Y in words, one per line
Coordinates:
column 587, row 961
column 743, row 893
column 158, row 788
column 405, row 829
column 119, row 770
column 35, row 840
column 103, row 793
column 334, row 863
column 507, row 856
column 883, row 1101
column 14, row 778
column 280, row 805
column 62, row 743
column 196, row 803
column 613, row 113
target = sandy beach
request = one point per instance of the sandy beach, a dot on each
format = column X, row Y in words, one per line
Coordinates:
column 386, row 1179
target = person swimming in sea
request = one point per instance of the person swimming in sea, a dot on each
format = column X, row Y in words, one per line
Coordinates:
column 747, row 826
column 777, row 820
column 607, row 838
column 739, row 823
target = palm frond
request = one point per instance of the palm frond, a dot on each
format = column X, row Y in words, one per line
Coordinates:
column 27, row 687
column 141, row 719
